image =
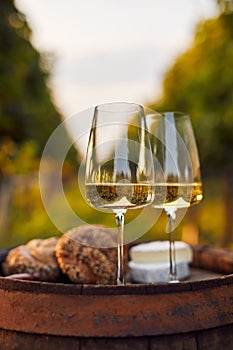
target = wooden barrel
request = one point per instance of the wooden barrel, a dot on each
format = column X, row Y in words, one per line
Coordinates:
column 194, row 314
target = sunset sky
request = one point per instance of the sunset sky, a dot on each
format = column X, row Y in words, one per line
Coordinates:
column 108, row 50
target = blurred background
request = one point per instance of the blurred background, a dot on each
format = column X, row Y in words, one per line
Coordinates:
column 59, row 57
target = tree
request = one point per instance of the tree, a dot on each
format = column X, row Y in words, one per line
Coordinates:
column 225, row 5
column 201, row 83
column 28, row 116
column 26, row 108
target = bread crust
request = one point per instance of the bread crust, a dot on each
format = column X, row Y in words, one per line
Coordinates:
column 88, row 254
column 36, row 257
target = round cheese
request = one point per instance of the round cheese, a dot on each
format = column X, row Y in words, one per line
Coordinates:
column 158, row 272
column 158, row 252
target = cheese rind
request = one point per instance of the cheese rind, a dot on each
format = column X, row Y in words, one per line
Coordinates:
column 158, row 252
column 146, row 273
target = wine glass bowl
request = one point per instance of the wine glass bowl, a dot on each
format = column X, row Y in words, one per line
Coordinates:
column 174, row 147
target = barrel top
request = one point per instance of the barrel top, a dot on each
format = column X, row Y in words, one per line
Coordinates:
column 211, row 267
column 120, row 311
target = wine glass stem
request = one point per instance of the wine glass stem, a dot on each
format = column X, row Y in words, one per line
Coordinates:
column 172, row 251
column 120, row 218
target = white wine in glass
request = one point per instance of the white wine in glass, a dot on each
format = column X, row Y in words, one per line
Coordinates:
column 119, row 165
column 174, row 147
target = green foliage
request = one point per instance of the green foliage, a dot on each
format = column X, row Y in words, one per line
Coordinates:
column 201, row 83
column 27, row 119
column 225, row 6
column 26, row 109
column 17, row 160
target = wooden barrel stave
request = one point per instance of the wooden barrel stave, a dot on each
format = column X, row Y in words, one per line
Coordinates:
column 188, row 315
column 220, row 338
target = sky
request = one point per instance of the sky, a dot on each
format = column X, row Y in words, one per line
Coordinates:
column 111, row 50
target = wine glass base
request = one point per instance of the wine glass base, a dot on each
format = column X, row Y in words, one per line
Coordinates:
column 174, row 281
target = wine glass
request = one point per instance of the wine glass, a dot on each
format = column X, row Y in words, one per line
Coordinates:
column 174, row 147
column 119, row 165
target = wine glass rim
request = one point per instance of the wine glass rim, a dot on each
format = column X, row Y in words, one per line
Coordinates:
column 176, row 114
column 119, row 107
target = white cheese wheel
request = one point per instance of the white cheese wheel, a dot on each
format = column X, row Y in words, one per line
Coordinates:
column 158, row 252
column 159, row 273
